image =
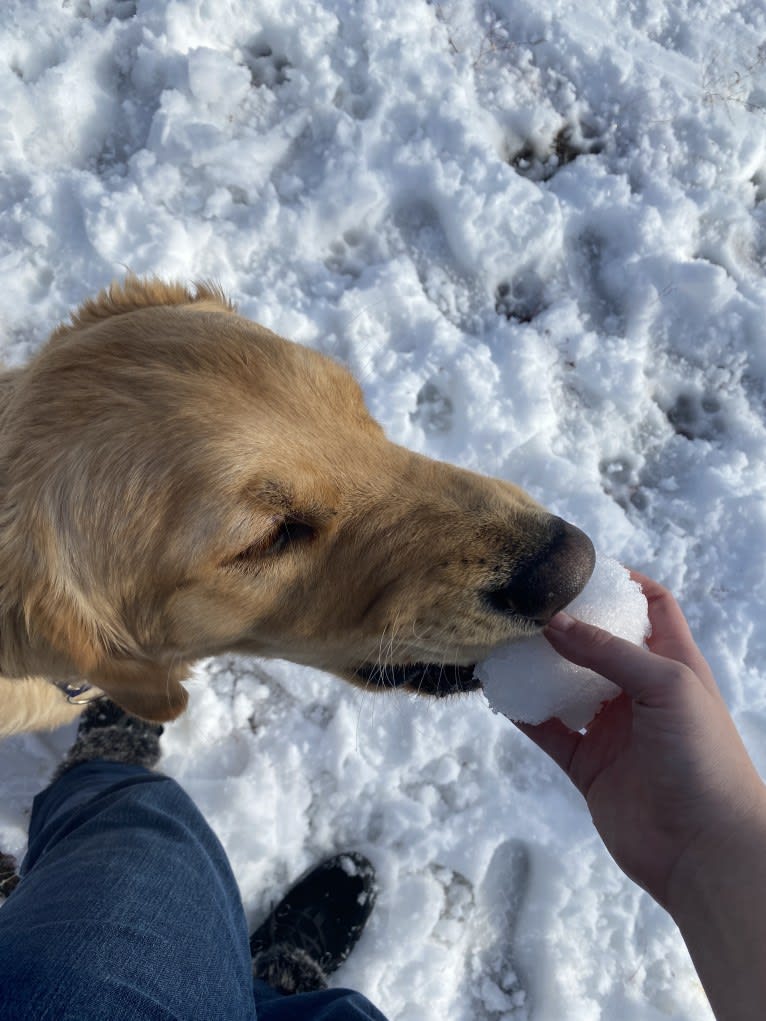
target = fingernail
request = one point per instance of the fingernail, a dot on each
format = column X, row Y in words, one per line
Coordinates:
column 560, row 622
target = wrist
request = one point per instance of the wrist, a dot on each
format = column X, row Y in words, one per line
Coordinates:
column 725, row 856
column 717, row 898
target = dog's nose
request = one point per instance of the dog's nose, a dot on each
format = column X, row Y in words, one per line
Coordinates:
column 552, row 578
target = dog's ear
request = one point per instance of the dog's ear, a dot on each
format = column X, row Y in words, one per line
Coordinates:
column 80, row 639
column 108, row 660
column 142, row 687
column 152, row 691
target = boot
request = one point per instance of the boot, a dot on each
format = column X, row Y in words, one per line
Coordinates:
column 315, row 926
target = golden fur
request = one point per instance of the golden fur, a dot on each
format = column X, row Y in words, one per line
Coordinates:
column 177, row 481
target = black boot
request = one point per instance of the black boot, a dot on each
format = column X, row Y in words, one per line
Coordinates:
column 108, row 732
column 315, row 926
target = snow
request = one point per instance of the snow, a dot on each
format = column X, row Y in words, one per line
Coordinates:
column 527, row 681
column 537, row 234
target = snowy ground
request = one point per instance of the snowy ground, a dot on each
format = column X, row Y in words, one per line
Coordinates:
column 537, row 233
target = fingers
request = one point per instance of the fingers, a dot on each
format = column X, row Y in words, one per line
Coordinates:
column 670, row 635
column 642, row 674
column 607, row 735
column 555, row 739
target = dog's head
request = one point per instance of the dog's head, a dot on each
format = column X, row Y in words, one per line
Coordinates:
column 180, row 482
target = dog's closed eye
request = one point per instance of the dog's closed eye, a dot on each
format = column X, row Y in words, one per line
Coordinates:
column 284, row 533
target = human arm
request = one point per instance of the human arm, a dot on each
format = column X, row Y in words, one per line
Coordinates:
column 674, row 795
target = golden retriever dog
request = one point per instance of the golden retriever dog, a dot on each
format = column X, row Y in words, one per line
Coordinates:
column 178, row 482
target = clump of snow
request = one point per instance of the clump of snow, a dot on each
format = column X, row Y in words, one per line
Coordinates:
column 528, row 681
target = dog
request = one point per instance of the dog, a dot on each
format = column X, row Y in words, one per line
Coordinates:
column 178, row 481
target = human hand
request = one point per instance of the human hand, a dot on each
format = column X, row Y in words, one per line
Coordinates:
column 663, row 769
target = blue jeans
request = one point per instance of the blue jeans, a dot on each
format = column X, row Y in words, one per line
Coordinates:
column 128, row 909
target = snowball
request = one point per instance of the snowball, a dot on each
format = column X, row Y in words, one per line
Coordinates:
column 530, row 682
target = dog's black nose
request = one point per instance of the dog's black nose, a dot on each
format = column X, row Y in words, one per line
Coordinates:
column 550, row 580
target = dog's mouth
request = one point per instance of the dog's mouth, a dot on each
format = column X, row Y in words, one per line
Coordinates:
column 525, row 602
column 440, row 679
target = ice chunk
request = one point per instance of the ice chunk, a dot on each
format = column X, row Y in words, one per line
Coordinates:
column 528, row 681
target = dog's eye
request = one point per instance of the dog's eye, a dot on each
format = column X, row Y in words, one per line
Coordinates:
column 288, row 534
column 284, row 534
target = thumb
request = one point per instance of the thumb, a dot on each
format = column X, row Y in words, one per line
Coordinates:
column 641, row 674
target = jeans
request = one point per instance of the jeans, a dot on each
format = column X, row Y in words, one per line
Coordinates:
column 128, row 909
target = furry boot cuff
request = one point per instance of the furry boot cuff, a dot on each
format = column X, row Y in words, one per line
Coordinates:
column 107, row 732
column 288, row 969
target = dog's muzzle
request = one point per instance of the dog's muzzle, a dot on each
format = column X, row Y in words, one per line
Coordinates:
column 550, row 579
